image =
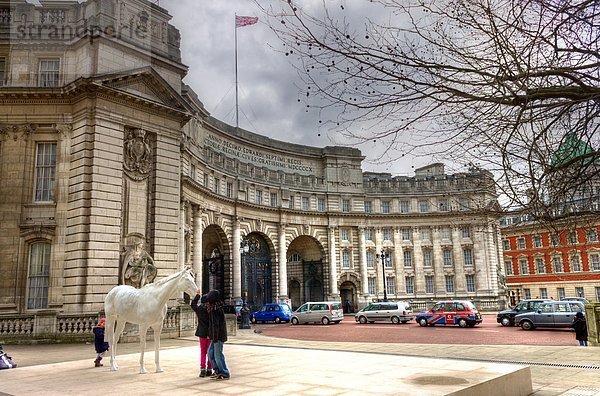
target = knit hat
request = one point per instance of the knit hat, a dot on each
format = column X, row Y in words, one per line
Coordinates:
column 102, row 320
column 579, row 315
column 213, row 296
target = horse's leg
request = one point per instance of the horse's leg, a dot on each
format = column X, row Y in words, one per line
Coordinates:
column 157, row 330
column 118, row 330
column 108, row 337
column 143, row 331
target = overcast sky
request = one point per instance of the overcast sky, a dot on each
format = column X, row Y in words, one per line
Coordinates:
column 268, row 93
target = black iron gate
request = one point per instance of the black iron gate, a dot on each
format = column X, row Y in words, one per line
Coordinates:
column 213, row 275
column 313, row 280
column 256, row 273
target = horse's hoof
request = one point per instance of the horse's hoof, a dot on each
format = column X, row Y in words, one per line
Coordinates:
column 143, row 371
column 114, row 368
column 159, row 370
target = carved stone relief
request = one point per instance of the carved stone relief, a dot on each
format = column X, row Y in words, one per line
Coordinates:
column 137, row 268
column 137, row 155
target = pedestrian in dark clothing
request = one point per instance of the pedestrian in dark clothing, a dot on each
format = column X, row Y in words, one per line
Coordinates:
column 348, row 305
column 202, row 333
column 580, row 326
column 99, row 344
column 217, row 332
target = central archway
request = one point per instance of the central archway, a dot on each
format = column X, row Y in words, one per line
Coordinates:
column 256, row 272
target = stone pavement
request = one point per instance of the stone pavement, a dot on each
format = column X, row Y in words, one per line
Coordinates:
column 266, row 365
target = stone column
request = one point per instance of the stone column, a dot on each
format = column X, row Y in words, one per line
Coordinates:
column 333, row 287
column 438, row 263
column 399, row 262
column 237, row 260
column 197, row 256
column 283, row 290
column 362, row 251
column 419, row 281
column 457, row 257
column 182, row 246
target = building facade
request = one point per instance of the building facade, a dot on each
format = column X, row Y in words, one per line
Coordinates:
column 112, row 172
column 551, row 263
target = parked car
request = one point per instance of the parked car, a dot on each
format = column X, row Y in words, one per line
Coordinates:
column 550, row 314
column 580, row 299
column 507, row 317
column 460, row 312
column 314, row 312
column 272, row 312
column 392, row 311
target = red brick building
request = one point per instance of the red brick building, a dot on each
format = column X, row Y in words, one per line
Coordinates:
column 539, row 263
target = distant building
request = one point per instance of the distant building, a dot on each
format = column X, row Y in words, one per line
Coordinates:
column 112, row 170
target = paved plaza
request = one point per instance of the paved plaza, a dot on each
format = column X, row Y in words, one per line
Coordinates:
column 271, row 366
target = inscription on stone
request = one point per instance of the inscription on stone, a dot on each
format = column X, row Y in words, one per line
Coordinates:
column 257, row 157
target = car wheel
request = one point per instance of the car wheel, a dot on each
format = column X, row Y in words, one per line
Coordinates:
column 423, row 322
column 505, row 321
column 294, row 321
column 277, row 320
column 395, row 320
column 362, row 320
column 527, row 325
column 325, row 320
column 253, row 320
column 462, row 323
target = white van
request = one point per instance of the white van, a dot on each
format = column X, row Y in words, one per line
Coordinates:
column 391, row 311
column 314, row 312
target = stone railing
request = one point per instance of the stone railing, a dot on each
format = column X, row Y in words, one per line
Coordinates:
column 50, row 326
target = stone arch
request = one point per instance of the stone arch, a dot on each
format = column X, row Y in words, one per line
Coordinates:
column 216, row 261
column 306, row 270
column 349, row 287
column 257, row 270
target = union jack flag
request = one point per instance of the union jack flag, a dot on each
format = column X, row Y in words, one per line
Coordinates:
column 245, row 21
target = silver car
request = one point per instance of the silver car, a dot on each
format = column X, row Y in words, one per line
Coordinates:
column 550, row 314
column 393, row 311
column 318, row 312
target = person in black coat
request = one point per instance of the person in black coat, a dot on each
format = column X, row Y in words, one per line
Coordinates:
column 99, row 344
column 202, row 333
column 580, row 326
column 217, row 332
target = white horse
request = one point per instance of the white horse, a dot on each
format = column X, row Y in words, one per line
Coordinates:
column 146, row 307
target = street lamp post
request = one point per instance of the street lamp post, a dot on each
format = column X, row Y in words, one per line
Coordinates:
column 383, row 256
column 244, row 312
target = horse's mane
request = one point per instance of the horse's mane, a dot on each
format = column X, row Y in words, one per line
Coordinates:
column 166, row 279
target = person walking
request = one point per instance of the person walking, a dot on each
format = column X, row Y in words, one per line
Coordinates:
column 580, row 326
column 202, row 333
column 217, row 332
column 99, row 344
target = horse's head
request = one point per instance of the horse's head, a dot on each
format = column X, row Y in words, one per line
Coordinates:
column 186, row 282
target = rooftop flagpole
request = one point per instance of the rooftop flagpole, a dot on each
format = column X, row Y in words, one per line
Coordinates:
column 239, row 22
column 237, row 108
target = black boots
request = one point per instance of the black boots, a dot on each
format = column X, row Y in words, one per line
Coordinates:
column 205, row 373
column 97, row 362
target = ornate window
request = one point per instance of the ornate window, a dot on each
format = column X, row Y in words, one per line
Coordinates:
column 408, row 258
column 520, row 243
column 405, row 234
column 305, row 203
column 468, row 257
column 447, row 257
column 410, row 285
column 345, row 205
column 370, row 259
column 321, row 204
column 557, row 264
column 390, row 284
column 425, row 234
column 49, row 73
column 523, row 267
column 595, row 262
column 368, row 206
column 372, row 284
column 45, row 172
column 592, row 235
column 540, row 266
column 506, row 244
column 404, row 206
column 345, row 259
column 466, row 232
column 387, row 234
column 537, row 241
column 470, row 280
column 345, row 234
column 385, row 206
column 543, row 292
column 423, row 206
column 368, row 234
column 427, row 258
column 273, row 199
column 39, row 275
column 508, row 267
column 428, row 284
column 575, row 263
column 449, row 283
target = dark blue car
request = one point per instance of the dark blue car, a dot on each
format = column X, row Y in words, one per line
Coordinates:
column 272, row 312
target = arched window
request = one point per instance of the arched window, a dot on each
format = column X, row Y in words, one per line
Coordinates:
column 39, row 274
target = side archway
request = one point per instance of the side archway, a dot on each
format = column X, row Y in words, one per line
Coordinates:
column 306, row 272
column 216, row 261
